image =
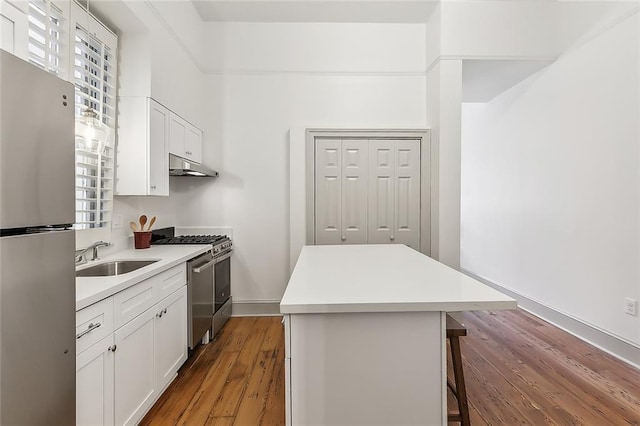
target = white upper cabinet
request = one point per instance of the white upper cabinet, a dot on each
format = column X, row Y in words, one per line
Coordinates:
column 367, row 191
column 185, row 139
column 142, row 161
column 14, row 24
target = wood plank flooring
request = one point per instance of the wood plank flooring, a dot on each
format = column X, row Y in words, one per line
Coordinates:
column 518, row 370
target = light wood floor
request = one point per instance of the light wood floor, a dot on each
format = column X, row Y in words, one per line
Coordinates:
column 519, row 370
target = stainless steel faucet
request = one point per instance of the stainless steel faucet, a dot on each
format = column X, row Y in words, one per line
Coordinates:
column 81, row 255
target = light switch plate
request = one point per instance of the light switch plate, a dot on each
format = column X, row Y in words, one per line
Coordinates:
column 116, row 221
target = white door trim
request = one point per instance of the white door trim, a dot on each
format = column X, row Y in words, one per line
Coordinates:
column 301, row 181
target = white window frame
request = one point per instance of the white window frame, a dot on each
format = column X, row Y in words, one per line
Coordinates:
column 71, row 15
column 101, row 166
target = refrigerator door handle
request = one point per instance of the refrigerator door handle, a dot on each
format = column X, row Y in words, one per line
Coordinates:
column 89, row 329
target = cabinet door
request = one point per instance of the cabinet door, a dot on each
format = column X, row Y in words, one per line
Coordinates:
column 170, row 350
column 94, row 384
column 158, row 149
column 407, row 193
column 328, row 176
column 193, row 144
column 381, row 191
column 354, row 191
column 14, row 30
column 177, row 135
column 134, row 373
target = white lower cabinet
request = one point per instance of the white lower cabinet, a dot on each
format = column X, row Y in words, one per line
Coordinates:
column 120, row 377
column 170, row 350
column 94, row 384
column 134, row 374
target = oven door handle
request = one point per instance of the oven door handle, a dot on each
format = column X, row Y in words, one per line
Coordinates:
column 203, row 267
column 223, row 257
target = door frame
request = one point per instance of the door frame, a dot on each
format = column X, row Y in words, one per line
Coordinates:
column 426, row 195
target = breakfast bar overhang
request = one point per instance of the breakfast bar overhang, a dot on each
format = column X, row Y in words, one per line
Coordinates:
column 365, row 338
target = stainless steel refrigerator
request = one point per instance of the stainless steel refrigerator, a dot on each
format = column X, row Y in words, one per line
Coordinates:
column 37, row 277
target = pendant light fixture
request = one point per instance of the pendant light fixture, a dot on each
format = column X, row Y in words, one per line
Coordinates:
column 91, row 134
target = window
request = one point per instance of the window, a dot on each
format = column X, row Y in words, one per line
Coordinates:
column 94, row 74
column 66, row 40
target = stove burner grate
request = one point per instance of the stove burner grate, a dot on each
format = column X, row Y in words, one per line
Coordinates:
column 192, row 239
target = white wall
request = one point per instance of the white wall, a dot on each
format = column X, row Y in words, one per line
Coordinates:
column 444, row 97
column 155, row 63
column 519, row 29
column 551, row 184
column 279, row 76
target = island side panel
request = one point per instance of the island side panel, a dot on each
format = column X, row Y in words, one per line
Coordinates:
column 366, row 369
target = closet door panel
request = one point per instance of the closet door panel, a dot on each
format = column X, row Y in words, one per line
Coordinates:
column 328, row 182
column 381, row 191
column 354, row 191
column 407, row 193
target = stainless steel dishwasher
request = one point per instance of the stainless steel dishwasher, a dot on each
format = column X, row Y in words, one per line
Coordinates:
column 200, row 296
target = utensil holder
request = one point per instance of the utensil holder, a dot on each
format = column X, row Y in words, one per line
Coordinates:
column 142, row 239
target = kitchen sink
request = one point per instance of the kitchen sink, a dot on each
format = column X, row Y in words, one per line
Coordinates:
column 116, row 267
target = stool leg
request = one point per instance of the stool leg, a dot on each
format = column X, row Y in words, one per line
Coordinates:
column 461, row 390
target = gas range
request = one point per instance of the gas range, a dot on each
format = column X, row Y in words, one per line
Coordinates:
column 209, row 301
column 221, row 244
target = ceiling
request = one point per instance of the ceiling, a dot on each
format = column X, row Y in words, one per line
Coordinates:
column 371, row 11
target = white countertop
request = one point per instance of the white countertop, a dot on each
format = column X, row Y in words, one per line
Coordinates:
column 90, row 290
column 382, row 278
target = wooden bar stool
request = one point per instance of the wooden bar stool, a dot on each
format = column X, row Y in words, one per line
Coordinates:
column 454, row 331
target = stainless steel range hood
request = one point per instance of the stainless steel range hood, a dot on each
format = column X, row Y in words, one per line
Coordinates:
column 182, row 167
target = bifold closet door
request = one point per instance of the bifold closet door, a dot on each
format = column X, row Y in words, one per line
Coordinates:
column 394, row 192
column 354, row 191
column 406, row 226
column 367, row 191
column 381, row 191
column 328, row 194
column 341, row 191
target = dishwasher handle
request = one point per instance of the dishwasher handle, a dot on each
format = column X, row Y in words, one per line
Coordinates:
column 203, row 267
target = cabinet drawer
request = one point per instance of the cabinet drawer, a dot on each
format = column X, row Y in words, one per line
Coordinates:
column 169, row 281
column 93, row 323
column 133, row 301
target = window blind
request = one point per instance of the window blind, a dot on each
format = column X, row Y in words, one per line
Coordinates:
column 87, row 57
column 94, row 75
column 46, row 35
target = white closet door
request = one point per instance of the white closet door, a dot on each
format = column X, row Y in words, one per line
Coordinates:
column 355, row 160
column 407, row 193
column 328, row 176
column 381, row 191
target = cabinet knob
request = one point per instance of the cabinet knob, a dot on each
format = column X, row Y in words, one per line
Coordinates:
column 113, row 348
column 391, row 238
column 344, row 238
column 164, row 311
column 153, row 187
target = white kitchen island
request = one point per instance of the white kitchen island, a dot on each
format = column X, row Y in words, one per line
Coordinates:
column 365, row 339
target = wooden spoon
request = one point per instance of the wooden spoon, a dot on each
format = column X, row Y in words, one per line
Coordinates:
column 153, row 220
column 143, row 222
column 134, row 226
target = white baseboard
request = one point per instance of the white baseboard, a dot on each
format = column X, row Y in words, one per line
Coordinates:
column 256, row 308
column 613, row 345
